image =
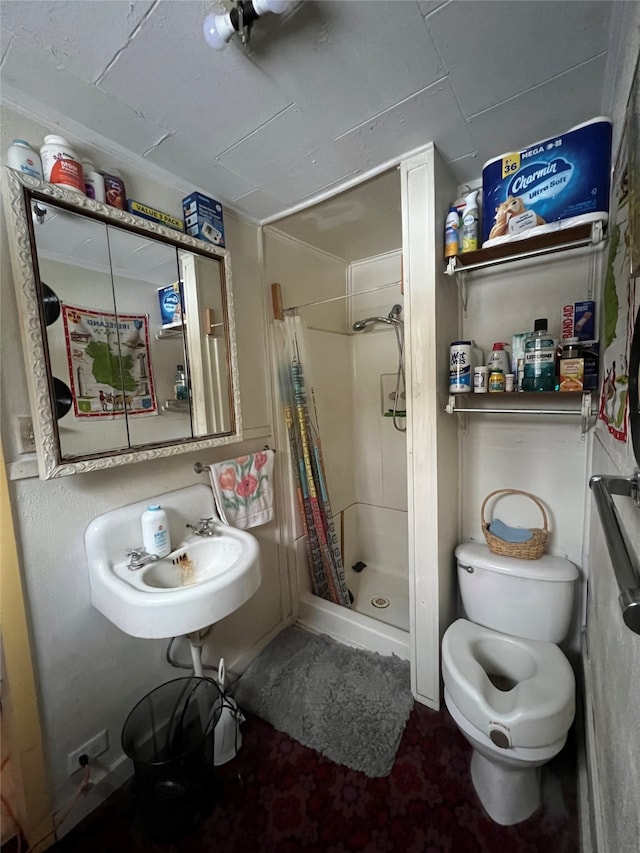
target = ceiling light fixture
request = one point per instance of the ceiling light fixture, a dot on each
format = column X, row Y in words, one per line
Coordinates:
column 218, row 29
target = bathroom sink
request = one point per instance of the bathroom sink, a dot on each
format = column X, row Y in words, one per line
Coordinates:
column 202, row 580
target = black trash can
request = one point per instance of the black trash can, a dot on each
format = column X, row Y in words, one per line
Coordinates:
column 169, row 736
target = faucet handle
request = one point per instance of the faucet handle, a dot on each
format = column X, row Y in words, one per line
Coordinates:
column 205, row 525
column 135, row 552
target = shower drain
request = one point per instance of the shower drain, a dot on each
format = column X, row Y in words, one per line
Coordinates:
column 380, row 601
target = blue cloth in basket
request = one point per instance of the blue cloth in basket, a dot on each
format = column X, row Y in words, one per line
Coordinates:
column 509, row 534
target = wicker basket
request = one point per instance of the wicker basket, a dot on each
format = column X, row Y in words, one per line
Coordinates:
column 533, row 548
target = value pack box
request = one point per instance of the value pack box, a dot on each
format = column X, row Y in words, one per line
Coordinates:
column 203, row 218
column 154, row 215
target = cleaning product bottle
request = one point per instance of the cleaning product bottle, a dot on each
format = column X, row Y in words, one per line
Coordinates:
column 539, row 359
column 470, row 222
column 180, row 385
column 155, row 531
column 499, row 358
column 452, row 234
column 93, row 181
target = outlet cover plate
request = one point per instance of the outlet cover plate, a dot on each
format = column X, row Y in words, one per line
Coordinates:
column 94, row 747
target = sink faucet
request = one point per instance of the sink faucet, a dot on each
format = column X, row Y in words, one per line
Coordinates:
column 205, row 527
column 139, row 558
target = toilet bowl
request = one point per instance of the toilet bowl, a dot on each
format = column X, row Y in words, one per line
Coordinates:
column 511, row 692
column 513, row 700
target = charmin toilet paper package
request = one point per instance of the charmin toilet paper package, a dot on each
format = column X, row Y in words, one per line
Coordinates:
column 556, row 183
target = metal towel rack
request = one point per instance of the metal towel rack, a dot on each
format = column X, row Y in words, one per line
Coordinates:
column 199, row 468
column 623, row 561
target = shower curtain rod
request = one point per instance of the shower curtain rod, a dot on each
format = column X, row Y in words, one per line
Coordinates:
column 344, row 296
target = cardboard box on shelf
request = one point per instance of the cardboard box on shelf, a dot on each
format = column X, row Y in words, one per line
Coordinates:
column 203, row 218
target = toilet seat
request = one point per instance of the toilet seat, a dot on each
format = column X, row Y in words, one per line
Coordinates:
column 540, row 706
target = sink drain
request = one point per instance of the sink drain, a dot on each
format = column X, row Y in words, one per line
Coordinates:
column 380, row 601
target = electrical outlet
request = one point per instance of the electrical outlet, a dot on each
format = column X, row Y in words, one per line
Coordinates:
column 26, row 435
column 94, row 747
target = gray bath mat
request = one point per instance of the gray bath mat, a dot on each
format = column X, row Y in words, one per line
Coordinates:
column 348, row 704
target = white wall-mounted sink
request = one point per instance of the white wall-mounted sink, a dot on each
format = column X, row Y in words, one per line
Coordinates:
column 202, row 580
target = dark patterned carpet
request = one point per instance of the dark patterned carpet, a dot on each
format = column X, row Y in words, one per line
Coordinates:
column 292, row 799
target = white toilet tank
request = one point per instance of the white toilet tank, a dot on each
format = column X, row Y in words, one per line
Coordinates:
column 524, row 598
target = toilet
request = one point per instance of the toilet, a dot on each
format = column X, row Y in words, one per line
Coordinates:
column 507, row 685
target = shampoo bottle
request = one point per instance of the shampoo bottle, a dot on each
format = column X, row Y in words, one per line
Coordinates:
column 470, row 222
column 452, row 234
column 155, row 531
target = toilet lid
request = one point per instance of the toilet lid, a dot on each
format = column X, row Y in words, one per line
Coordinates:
column 524, row 688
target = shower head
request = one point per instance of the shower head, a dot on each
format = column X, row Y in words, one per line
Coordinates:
column 359, row 325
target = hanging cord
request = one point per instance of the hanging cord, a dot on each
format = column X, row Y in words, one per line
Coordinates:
column 57, row 823
column 9, row 810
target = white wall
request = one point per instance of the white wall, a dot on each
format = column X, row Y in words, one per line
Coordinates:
column 89, row 673
column 544, row 455
column 380, row 460
column 612, row 653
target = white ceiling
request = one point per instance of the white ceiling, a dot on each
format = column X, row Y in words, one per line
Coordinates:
column 325, row 93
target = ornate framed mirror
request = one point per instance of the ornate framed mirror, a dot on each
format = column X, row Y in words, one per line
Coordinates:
column 634, row 389
column 127, row 329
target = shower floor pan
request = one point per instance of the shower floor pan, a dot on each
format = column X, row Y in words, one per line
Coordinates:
column 382, row 595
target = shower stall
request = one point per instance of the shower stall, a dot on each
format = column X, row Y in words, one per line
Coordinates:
column 353, row 315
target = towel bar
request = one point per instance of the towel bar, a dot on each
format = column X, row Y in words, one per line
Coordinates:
column 199, row 468
column 623, row 561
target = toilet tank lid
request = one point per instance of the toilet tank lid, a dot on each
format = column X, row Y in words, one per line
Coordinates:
column 547, row 568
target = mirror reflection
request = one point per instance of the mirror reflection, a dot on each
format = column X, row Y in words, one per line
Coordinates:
column 128, row 332
column 130, row 367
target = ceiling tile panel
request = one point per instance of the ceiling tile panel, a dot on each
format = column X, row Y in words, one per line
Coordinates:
column 269, row 150
column 30, row 71
column 496, row 50
column 310, row 174
column 535, row 115
column 432, row 115
column 84, row 37
column 177, row 155
column 258, row 205
column 171, row 75
column 351, row 60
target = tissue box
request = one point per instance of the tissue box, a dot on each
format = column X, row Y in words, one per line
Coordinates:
column 203, row 218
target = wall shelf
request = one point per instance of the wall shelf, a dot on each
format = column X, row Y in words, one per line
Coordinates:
column 562, row 240
column 551, row 404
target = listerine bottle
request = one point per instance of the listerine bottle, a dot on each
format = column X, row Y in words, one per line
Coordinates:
column 180, row 385
column 539, row 359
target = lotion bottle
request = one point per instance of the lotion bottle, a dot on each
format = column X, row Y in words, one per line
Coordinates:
column 470, row 222
column 155, row 531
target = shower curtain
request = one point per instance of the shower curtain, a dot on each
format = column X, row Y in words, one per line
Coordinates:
column 323, row 550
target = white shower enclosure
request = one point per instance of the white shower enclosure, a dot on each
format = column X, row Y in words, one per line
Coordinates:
column 383, row 473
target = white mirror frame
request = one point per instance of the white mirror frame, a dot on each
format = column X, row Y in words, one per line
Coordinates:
column 18, row 212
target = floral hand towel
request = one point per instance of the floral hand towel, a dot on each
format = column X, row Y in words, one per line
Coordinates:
column 243, row 489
